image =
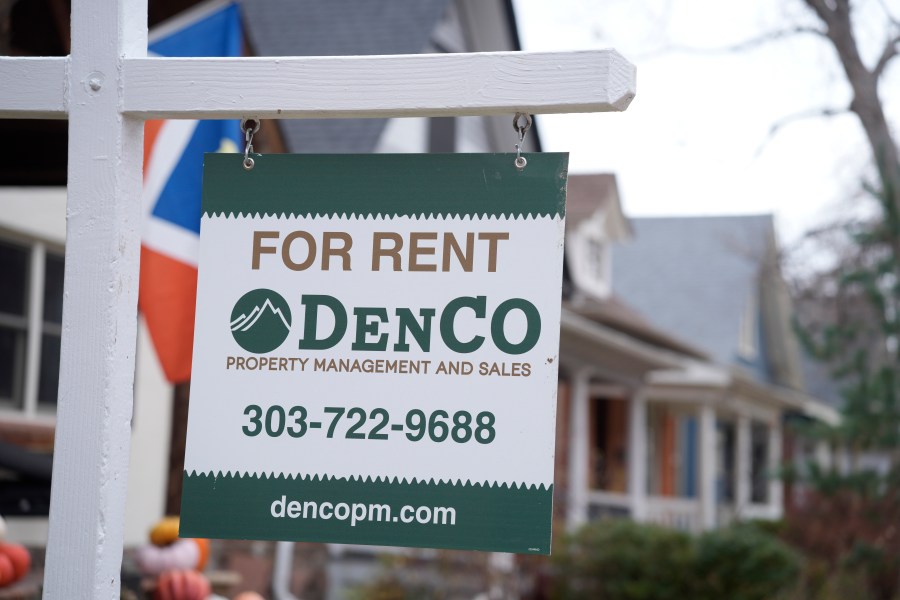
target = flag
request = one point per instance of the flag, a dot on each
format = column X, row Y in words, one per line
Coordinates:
column 173, row 169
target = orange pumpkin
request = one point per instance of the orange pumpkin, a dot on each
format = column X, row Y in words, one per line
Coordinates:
column 7, row 571
column 19, row 557
column 203, row 547
column 182, row 585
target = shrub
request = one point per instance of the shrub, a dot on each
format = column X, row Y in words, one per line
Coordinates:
column 623, row 560
column 743, row 563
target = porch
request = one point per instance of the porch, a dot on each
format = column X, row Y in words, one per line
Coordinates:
column 683, row 449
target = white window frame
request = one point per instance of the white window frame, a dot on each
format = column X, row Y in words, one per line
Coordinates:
column 30, row 410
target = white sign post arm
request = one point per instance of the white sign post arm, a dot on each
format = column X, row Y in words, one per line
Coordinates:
column 103, row 213
column 416, row 85
column 108, row 88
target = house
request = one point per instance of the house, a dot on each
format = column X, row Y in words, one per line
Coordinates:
column 688, row 431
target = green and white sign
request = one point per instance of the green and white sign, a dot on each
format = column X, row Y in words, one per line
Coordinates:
column 375, row 354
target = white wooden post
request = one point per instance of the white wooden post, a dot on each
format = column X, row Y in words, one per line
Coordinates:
column 637, row 456
column 90, row 464
column 107, row 88
column 776, row 485
column 707, row 447
column 35, row 327
column 579, row 449
column 743, row 469
column 824, row 456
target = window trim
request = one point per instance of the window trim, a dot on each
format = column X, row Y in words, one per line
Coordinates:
column 30, row 410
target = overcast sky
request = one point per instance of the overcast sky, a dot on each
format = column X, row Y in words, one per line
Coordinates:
column 696, row 138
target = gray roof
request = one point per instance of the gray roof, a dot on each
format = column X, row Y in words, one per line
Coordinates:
column 338, row 28
column 696, row 277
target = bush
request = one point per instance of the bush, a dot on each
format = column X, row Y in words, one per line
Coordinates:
column 623, row 560
column 620, row 560
column 743, row 563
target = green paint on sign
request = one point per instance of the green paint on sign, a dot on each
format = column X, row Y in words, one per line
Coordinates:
column 448, row 185
column 472, row 516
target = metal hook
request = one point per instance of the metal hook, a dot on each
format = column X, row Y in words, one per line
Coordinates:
column 249, row 127
column 521, row 123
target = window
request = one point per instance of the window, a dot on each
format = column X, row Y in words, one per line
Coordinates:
column 760, row 471
column 30, row 326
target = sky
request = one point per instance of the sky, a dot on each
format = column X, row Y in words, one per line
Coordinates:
column 696, row 139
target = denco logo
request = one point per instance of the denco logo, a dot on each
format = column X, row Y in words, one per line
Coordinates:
column 260, row 321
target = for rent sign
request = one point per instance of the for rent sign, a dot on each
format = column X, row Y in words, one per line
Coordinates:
column 375, row 354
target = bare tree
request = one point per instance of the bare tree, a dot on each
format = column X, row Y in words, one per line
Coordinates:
column 836, row 19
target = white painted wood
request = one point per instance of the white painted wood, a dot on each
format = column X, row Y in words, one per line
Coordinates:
column 742, row 465
column 32, row 87
column 379, row 86
column 707, row 447
column 579, row 449
column 150, row 434
column 683, row 514
column 776, row 485
column 637, row 456
column 609, row 499
column 84, row 551
column 824, row 456
column 35, row 327
column 34, row 213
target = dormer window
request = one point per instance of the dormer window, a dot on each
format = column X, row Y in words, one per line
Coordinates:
column 747, row 330
column 590, row 257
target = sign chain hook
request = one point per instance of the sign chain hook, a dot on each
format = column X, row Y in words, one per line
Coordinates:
column 249, row 127
column 521, row 123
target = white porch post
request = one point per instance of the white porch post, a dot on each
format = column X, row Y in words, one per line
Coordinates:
column 776, row 485
column 637, row 456
column 103, row 215
column 823, row 455
column 579, row 450
column 707, row 466
column 743, row 469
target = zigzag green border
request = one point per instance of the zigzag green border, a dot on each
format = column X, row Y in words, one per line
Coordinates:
column 368, row 479
column 386, row 185
column 497, row 518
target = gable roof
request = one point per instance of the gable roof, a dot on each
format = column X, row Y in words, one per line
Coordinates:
column 587, row 194
column 697, row 277
column 338, row 28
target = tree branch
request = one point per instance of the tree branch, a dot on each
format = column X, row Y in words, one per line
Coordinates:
column 888, row 13
column 812, row 113
column 750, row 44
column 890, row 51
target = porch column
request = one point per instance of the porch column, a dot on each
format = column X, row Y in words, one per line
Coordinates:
column 707, row 467
column 823, row 454
column 742, row 467
column 579, row 449
column 637, row 456
column 776, row 485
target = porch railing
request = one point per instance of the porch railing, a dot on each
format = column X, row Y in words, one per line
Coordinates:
column 678, row 513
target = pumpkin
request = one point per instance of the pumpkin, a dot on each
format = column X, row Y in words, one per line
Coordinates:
column 183, row 554
column 7, row 570
column 203, row 547
column 182, row 585
column 19, row 557
column 165, row 531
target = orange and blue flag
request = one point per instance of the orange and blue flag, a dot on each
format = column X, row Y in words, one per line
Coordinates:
column 173, row 169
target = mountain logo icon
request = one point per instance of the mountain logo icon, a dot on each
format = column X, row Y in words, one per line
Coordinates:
column 260, row 321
